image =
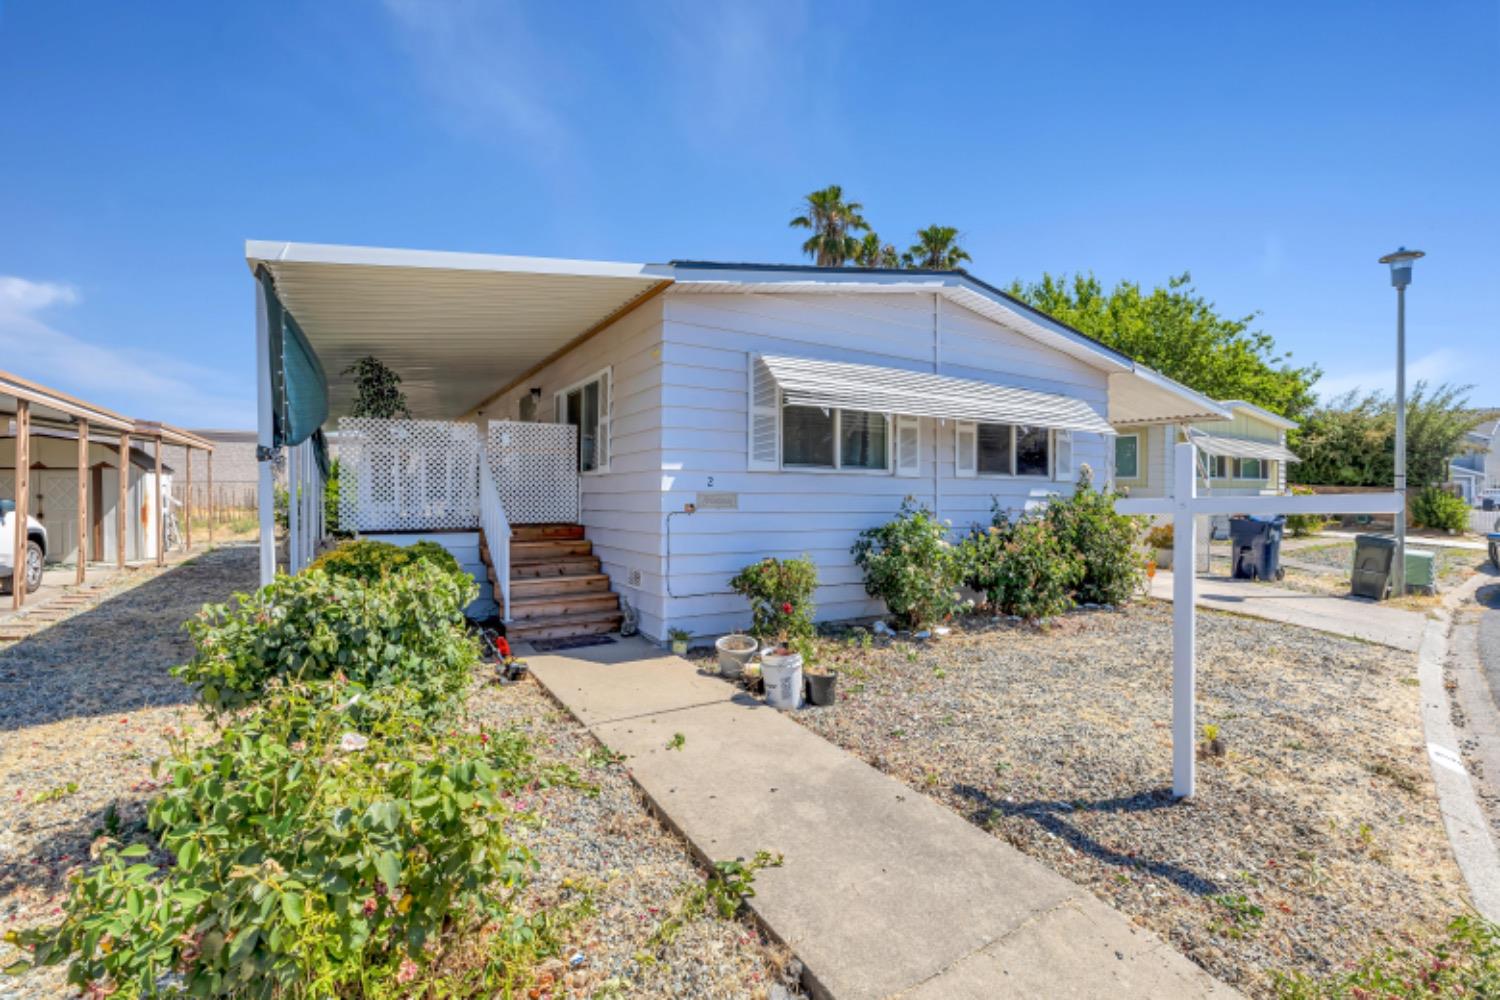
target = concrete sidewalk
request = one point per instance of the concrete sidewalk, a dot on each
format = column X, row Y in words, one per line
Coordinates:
column 884, row 893
column 1350, row 616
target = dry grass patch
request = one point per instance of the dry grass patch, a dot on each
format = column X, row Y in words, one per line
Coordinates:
column 1314, row 839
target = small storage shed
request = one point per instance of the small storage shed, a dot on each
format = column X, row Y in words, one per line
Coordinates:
column 71, row 465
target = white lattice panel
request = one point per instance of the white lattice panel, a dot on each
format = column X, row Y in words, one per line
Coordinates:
column 536, row 470
column 407, row 475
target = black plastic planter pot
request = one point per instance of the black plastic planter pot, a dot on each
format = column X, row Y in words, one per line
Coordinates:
column 820, row 688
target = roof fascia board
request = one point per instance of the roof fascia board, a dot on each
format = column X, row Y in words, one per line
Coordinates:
column 1275, row 419
column 40, row 395
column 272, row 252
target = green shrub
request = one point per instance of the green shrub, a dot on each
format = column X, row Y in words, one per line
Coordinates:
column 1086, row 524
column 780, row 593
column 403, row 628
column 310, row 853
column 1302, row 525
column 1440, row 510
column 1021, row 568
column 370, row 561
column 910, row 565
column 1466, row 964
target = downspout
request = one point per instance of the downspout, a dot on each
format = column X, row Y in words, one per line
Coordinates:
column 937, row 464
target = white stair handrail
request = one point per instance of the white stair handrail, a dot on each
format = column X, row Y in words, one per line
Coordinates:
column 496, row 532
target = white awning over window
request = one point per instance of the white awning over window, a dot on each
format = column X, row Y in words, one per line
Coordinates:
column 1237, row 447
column 840, row 385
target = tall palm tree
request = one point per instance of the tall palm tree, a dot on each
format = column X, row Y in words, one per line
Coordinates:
column 872, row 253
column 937, row 249
column 833, row 222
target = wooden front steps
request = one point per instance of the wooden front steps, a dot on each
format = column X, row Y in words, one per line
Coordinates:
column 556, row 588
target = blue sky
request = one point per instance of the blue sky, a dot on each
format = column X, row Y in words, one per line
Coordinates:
column 1275, row 150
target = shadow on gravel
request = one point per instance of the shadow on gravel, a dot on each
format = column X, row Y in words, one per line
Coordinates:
column 1051, row 816
column 114, row 657
column 65, row 845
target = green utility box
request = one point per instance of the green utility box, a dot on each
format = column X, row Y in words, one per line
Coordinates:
column 1421, row 571
column 1374, row 558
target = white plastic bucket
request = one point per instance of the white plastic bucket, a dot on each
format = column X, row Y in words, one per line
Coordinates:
column 783, row 677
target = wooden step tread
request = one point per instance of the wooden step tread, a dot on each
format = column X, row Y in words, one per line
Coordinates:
column 550, row 549
column 544, row 532
column 564, row 626
column 551, row 606
column 536, row 586
column 570, row 566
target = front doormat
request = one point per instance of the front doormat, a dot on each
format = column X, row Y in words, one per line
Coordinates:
column 576, row 642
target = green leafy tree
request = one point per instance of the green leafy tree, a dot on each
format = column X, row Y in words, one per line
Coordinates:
column 833, row 222
column 937, row 249
column 873, row 253
column 1182, row 335
column 1351, row 440
column 378, row 388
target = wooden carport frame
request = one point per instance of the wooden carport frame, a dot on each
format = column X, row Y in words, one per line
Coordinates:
column 27, row 401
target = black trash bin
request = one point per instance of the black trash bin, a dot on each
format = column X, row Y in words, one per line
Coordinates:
column 1374, row 562
column 1255, row 548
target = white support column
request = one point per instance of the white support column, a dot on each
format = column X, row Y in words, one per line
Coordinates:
column 294, row 509
column 1184, row 630
column 265, row 460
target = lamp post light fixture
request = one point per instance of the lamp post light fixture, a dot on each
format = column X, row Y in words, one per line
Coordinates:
column 1401, row 262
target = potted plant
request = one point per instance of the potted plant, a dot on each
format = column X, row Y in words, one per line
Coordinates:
column 821, row 680
column 1160, row 540
column 680, row 639
column 780, row 593
column 735, row 651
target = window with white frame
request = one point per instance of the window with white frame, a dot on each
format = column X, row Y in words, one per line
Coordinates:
column 1013, row 450
column 816, row 438
column 585, row 405
column 1249, row 468
column 1128, row 456
column 1218, row 467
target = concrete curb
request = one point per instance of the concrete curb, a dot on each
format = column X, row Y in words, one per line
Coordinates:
column 1468, row 831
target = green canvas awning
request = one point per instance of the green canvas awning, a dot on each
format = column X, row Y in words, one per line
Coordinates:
column 299, row 386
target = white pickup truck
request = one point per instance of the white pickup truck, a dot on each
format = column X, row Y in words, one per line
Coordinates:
column 36, row 548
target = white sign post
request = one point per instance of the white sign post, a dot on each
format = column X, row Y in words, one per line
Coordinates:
column 1184, row 505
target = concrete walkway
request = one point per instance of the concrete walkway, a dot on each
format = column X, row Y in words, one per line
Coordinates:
column 1350, row 616
column 884, row 892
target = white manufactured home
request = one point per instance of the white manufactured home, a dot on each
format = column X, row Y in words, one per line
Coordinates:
column 592, row 432
column 1245, row 454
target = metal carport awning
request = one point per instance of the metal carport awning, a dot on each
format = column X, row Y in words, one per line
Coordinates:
column 834, row 384
column 1236, row 447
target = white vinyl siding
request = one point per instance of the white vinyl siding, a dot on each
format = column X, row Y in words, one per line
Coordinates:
column 716, row 407
column 620, row 507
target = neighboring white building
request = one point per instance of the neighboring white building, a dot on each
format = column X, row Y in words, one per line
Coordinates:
column 1478, row 469
column 725, row 412
column 1244, row 455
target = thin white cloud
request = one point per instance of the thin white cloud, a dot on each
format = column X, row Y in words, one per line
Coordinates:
column 1441, row 365
column 145, row 384
column 739, row 68
column 491, row 73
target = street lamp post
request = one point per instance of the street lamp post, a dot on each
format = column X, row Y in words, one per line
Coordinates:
column 1400, row 263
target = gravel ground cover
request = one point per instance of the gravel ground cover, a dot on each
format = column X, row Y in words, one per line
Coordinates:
column 84, row 709
column 636, row 871
column 1315, row 839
